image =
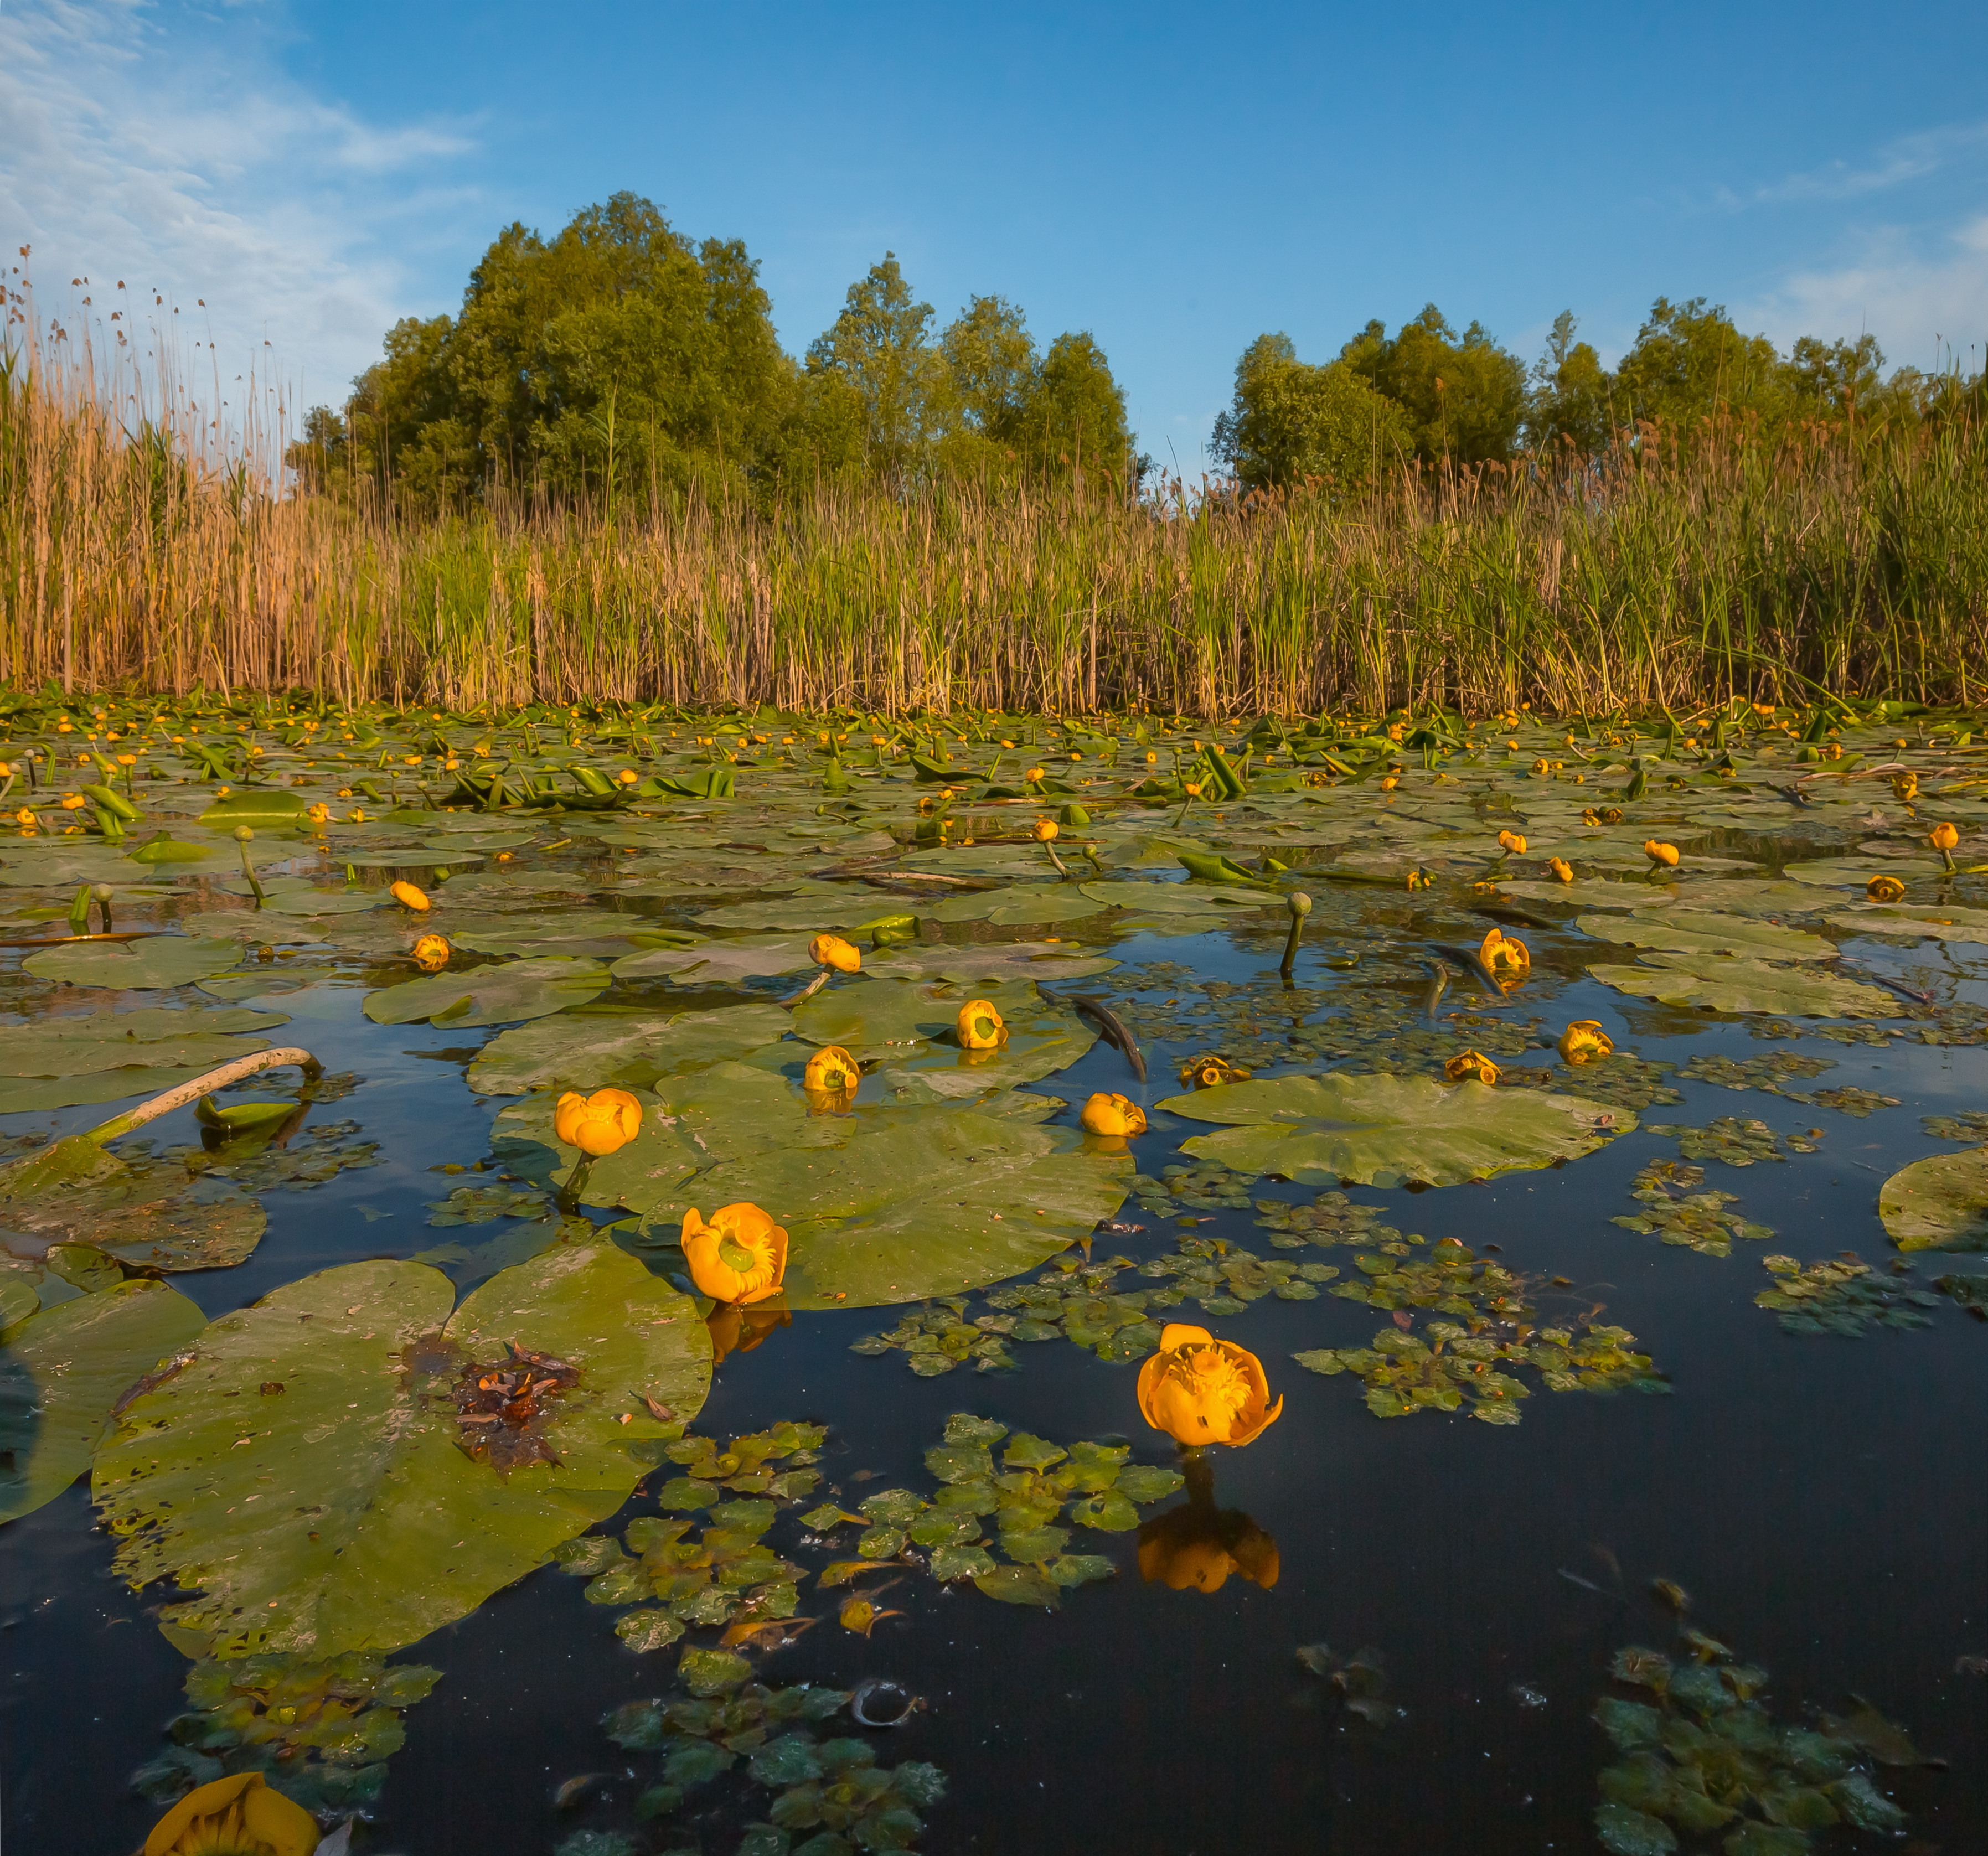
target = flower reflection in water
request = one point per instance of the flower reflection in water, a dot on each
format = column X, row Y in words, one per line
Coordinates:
column 734, row 1329
column 1199, row 1545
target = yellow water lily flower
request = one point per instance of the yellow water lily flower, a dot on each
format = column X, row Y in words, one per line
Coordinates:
column 1199, row 1389
column 1513, row 841
column 1906, row 787
column 72, row 802
column 739, row 1255
column 1045, row 829
column 1506, row 955
column 1563, row 871
column 598, row 1124
column 1113, row 1114
column 833, row 951
column 1389, row 782
column 1471, row 1066
column 1943, row 836
column 409, row 897
column 239, row 1816
column 1585, row 1042
column 431, row 953
column 1420, row 879
column 831, row 1069
column 1662, row 854
column 1209, row 1072
column 1884, row 889
column 1033, row 776
column 318, row 814
column 979, row 1026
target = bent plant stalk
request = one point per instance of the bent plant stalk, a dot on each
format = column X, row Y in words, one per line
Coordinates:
column 179, row 1096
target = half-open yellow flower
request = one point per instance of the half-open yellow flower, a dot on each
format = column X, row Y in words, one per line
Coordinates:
column 831, row 1069
column 1505, row 955
column 598, row 1124
column 979, row 1026
column 1943, row 836
column 1199, row 1389
column 409, row 897
column 1884, row 889
column 1113, row 1114
column 1210, row 1071
column 240, row 1815
column 1563, row 871
column 833, row 951
column 1658, row 853
column 1045, row 829
column 1513, row 841
column 1389, row 782
column 431, row 953
column 1471, row 1066
column 740, row 1254
column 1585, row 1042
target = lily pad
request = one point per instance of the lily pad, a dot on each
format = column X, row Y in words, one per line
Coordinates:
column 1961, row 924
column 1722, row 983
column 61, row 1372
column 1940, row 1203
column 991, row 963
column 583, row 1051
column 1683, row 931
column 1389, row 1130
column 306, row 1475
column 1175, row 898
column 158, row 961
column 719, row 963
column 261, row 808
column 496, row 995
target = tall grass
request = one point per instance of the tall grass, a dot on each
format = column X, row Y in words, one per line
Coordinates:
column 134, row 552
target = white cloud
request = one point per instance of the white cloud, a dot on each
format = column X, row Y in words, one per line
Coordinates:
column 1924, row 308
column 175, row 155
column 1912, row 157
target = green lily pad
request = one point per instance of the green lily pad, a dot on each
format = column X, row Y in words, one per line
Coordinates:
column 1961, row 924
column 260, row 808
column 63, row 1369
column 719, row 963
column 1389, row 1130
column 585, row 1052
column 1723, row 984
column 158, row 961
column 1683, row 931
column 597, row 932
column 989, row 964
column 305, row 1475
column 895, row 1018
column 496, row 995
column 1940, row 1203
column 1018, row 902
column 1175, row 898
column 1855, row 873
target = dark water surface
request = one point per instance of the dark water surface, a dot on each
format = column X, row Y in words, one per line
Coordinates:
column 1823, row 1499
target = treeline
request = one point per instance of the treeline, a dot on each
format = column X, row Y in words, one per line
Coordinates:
column 1430, row 395
column 617, row 359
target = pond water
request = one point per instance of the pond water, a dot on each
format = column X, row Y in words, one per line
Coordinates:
column 1562, row 1539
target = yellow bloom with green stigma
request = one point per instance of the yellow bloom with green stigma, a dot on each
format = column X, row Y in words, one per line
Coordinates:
column 1210, row 1072
column 979, row 1026
column 1200, row 1391
column 1563, row 871
column 1585, row 1042
column 1884, row 889
column 1112, row 1114
column 831, row 1070
column 1505, row 956
column 739, row 1255
column 832, row 951
column 598, row 1124
column 1905, row 787
column 1471, row 1067
column 431, row 953
column 239, row 1816
column 409, row 897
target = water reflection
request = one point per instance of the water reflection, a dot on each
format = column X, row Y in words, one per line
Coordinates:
column 1199, row 1545
column 737, row 1331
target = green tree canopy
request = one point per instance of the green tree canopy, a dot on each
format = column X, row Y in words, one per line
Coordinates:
column 1291, row 422
column 1465, row 396
column 1689, row 361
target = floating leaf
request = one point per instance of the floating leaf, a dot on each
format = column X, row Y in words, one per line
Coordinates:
column 586, row 1052
column 158, row 962
column 497, row 995
column 352, row 1516
column 1720, row 983
column 1683, row 931
column 1387, row 1130
column 1940, row 1203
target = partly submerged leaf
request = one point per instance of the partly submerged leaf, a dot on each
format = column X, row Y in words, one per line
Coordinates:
column 1721, row 983
column 306, row 1476
column 496, row 995
column 1683, row 931
column 158, row 961
column 62, row 1371
column 1389, row 1130
column 585, row 1052
column 1939, row 1203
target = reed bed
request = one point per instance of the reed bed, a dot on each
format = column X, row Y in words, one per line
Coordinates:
column 1678, row 570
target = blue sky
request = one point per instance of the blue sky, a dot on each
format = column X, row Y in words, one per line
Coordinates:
column 1174, row 179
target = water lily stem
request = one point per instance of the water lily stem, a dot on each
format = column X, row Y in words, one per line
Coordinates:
column 1299, row 904
column 179, row 1097
column 1061, row 870
column 568, row 1197
column 809, row 990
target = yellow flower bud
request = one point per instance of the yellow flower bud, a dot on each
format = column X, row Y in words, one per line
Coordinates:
column 598, row 1124
column 1045, row 829
column 409, row 897
column 979, row 1026
column 1884, row 889
column 1513, row 841
column 833, row 951
column 1942, row 837
column 1563, row 871
column 1388, row 783
column 72, row 802
column 628, row 776
column 1198, row 1390
column 739, row 1255
column 1665, row 856
column 1585, row 1042
column 1113, row 1114
column 1472, row 1066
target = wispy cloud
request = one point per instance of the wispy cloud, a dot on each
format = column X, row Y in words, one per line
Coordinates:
column 1925, row 306
column 138, row 142
column 1912, row 157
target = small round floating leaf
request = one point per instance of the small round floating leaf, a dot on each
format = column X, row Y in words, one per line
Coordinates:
column 1939, row 1203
